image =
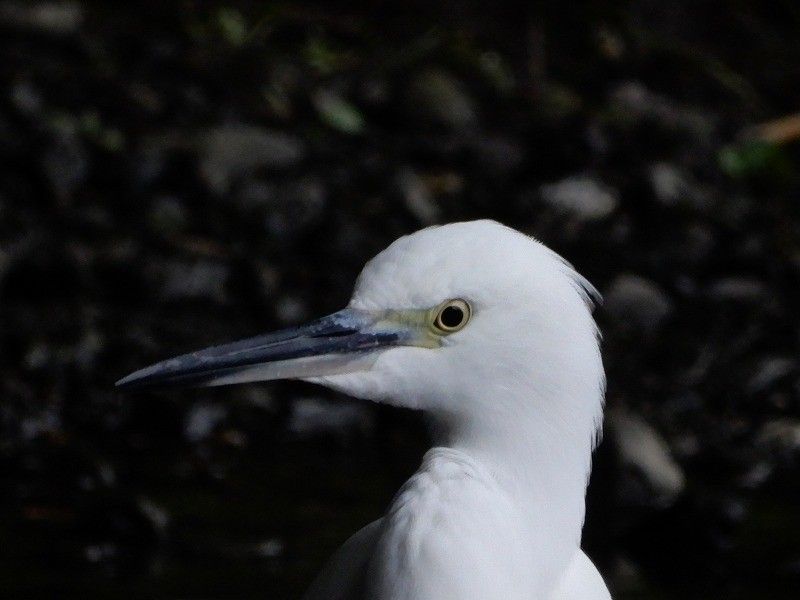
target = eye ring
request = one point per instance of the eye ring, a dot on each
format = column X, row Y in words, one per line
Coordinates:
column 452, row 316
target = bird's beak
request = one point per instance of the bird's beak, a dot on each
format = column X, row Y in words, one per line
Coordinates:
column 343, row 342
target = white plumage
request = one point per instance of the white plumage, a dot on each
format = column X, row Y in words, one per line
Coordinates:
column 515, row 395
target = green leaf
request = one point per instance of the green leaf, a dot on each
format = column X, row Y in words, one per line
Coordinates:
column 232, row 25
column 753, row 158
column 337, row 113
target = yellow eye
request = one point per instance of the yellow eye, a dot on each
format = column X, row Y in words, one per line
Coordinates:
column 452, row 316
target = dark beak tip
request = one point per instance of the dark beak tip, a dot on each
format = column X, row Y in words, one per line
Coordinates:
column 128, row 382
column 140, row 379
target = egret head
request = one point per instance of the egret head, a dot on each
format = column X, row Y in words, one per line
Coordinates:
column 446, row 319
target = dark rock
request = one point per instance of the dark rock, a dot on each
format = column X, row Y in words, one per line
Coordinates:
column 497, row 71
column 47, row 421
column 337, row 112
column 202, row 420
column 26, row 98
column 497, row 155
column 740, row 289
column 633, row 102
column 260, row 398
column 296, row 206
column 255, row 195
column 38, row 356
column 769, row 372
column 641, row 448
column 167, row 215
column 375, row 92
column 693, row 245
column 673, row 187
column 581, row 197
column 86, row 351
column 637, row 303
column 267, row 277
column 757, row 474
column 96, row 553
column 271, row 548
column 150, row 162
column 230, row 152
column 53, row 18
column 65, row 164
column 314, row 417
column 780, row 434
column 626, row 576
column 147, row 98
column 291, row 310
column 5, row 259
column 442, row 98
column 417, row 197
column 558, row 102
column 157, row 515
column 198, row 280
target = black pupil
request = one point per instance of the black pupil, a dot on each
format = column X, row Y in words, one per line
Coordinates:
column 451, row 316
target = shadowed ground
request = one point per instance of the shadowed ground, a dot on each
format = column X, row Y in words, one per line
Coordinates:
column 174, row 175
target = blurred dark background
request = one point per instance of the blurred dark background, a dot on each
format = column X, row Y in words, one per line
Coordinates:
column 175, row 174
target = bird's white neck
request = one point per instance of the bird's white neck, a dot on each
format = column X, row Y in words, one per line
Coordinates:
column 540, row 456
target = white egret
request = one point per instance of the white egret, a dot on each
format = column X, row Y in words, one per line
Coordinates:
column 491, row 334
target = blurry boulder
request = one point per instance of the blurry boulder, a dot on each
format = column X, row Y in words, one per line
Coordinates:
column 441, row 98
column 266, row 276
column 769, row 372
column 150, row 160
column 637, row 303
column 557, row 102
column 202, row 279
column 625, row 576
column 256, row 194
column 270, row 548
column 146, row 97
column 40, row 356
column 691, row 245
column 338, row 113
column 741, row 289
column 88, row 348
column 52, row 18
column 230, row 152
column 279, row 92
column 758, row 473
column 156, row 515
column 98, row 553
column 46, row 421
column 313, row 417
column 287, row 208
column 5, row 258
column 65, row 163
column 26, row 98
column 780, row 434
column 167, row 215
column 374, row 91
column 633, row 102
column 202, row 420
column 291, row 310
column 672, row 186
column 581, row 197
column 294, row 206
column 497, row 155
column 643, row 450
column 258, row 397
column 417, row 196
